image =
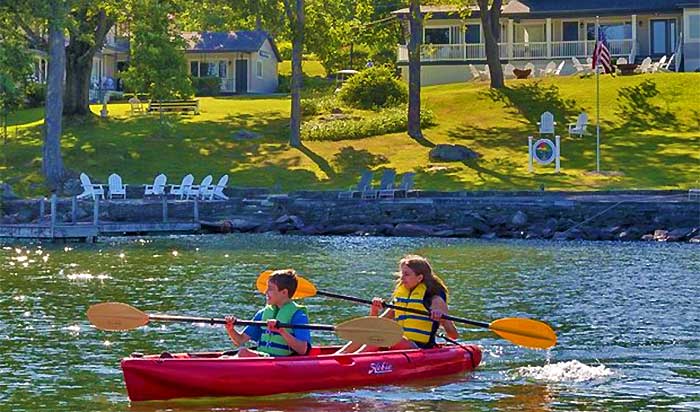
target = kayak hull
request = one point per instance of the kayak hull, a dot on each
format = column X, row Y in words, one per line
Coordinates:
column 206, row 375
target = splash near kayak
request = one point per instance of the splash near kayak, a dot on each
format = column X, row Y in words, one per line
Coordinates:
column 155, row 377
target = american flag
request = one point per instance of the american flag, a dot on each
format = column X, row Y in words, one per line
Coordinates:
column 601, row 54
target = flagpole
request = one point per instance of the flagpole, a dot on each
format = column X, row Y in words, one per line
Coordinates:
column 597, row 97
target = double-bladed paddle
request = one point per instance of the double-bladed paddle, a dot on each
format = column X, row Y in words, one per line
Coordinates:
column 114, row 316
column 525, row 332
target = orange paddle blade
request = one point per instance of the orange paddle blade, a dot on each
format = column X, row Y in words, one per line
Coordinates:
column 525, row 332
column 114, row 316
column 305, row 288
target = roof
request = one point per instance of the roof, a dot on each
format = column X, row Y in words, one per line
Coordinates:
column 233, row 41
column 552, row 8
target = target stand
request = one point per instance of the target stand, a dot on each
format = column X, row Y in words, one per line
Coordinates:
column 543, row 151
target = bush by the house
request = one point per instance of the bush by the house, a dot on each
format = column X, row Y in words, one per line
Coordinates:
column 391, row 120
column 36, row 94
column 373, row 88
column 207, row 86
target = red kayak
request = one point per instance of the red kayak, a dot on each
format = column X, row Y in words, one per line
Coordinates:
column 155, row 377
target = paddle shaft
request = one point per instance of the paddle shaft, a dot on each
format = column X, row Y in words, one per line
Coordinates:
column 390, row 306
column 219, row 321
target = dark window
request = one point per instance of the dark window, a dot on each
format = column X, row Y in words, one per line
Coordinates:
column 194, row 68
column 472, row 34
column 437, row 36
column 570, row 31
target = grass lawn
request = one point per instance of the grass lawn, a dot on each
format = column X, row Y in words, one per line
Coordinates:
column 654, row 143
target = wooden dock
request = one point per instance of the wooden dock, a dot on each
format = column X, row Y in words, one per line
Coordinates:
column 89, row 232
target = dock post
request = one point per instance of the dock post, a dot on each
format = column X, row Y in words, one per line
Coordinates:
column 74, row 210
column 42, row 208
column 165, row 209
column 195, row 211
column 96, row 211
column 53, row 214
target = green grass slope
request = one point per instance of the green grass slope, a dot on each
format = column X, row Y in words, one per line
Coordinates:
column 647, row 142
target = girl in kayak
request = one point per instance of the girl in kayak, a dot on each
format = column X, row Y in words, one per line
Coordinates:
column 274, row 341
column 417, row 287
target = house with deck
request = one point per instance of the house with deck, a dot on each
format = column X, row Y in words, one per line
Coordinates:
column 540, row 31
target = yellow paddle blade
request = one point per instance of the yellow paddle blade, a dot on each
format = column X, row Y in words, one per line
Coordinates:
column 114, row 316
column 305, row 288
column 370, row 330
column 525, row 332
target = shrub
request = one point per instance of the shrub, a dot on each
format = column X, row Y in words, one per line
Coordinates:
column 206, row 86
column 285, row 49
column 391, row 120
column 320, row 105
column 372, row 88
column 36, row 94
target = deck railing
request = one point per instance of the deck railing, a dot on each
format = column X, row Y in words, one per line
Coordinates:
column 516, row 51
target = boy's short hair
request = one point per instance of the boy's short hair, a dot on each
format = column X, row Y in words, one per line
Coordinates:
column 285, row 279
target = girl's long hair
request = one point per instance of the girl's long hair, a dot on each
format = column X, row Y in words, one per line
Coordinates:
column 421, row 266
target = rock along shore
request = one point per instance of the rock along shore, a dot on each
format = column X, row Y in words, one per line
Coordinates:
column 618, row 215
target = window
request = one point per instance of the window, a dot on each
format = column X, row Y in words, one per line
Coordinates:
column 530, row 33
column 259, row 69
column 693, row 26
column 569, row 31
column 194, row 68
column 437, row 35
column 472, row 34
column 613, row 31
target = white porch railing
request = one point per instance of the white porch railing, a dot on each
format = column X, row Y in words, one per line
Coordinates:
column 520, row 51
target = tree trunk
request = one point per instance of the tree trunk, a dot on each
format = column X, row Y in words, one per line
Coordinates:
column 79, row 55
column 492, row 33
column 76, row 101
column 416, row 32
column 296, row 21
column 52, row 164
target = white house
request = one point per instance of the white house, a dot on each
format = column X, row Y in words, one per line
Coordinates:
column 246, row 61
column 539, row 31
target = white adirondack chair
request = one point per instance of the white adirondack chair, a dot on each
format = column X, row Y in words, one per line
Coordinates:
column 579, row 128
column 666, row 66
column 644, row 66
column 548, row 69
column 157, row 188
column 116, row 188
column 218, row 190
column 474, row 72
column 531, row 67
column 557, row 71
column 546, row 123
column 90, row 189
column 183, row 188
column 486, row 73
column 200, row 189
column 580, row 68
column 656, row 65
column 508, row 71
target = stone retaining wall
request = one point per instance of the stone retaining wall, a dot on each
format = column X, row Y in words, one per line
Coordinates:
column 657, row 215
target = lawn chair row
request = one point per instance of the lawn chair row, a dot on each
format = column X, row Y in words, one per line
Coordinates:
column 185, row 190
column 386, row 189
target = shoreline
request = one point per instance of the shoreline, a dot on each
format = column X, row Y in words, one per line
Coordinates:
column 664, row 215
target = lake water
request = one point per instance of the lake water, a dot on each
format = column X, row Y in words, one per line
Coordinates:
column 627, row 316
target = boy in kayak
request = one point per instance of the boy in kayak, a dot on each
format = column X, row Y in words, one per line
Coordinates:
column 273, row 341
column 417, row 287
